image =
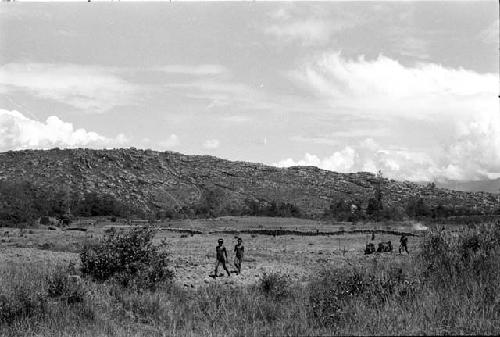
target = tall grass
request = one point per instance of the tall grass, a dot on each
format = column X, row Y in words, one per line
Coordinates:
column 451, row 287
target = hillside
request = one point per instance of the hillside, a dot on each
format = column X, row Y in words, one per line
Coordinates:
column 489, row 185
column 157, row 181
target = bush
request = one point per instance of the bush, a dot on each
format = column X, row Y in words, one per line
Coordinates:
column 130, row 258
column 275, row 285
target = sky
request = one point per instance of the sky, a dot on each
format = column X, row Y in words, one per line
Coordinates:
column 408, row 88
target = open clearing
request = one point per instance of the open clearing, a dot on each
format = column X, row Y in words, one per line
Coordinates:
column 193, row 255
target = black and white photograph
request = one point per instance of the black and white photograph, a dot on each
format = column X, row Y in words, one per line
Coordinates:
column 249, row 168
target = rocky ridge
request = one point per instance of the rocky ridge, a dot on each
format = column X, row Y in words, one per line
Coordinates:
column 169, row 180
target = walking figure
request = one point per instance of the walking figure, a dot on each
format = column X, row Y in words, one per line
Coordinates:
column 404, row 244
column 221, row 255
column 239, row 251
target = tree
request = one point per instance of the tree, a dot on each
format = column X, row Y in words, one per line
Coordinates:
column 416, row 207
column 375, row 205
column 210, row 203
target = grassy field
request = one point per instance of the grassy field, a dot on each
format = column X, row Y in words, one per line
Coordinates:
column 193, row 256
column 290, row 284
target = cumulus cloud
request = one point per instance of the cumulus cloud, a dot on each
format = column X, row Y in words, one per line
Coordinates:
column 90, row 89
column 340, row 161
column 211, row 144
column 20, row 132
column 369, row 156
column 445, row 121
column 170, row 142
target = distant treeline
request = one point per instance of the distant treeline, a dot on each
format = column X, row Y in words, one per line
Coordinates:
column 24, row 202
column 213, row 203
column 415, row 208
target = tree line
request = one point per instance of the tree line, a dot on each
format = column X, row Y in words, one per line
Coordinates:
column 24, row 202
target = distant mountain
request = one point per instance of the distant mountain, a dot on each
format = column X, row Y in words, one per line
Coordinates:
column 156, row 181
column 489, row 185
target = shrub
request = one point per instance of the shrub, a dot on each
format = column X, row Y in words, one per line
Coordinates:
column 275, row 285
column 130, row 258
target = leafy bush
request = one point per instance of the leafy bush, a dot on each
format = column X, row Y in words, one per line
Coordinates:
column 129, row 258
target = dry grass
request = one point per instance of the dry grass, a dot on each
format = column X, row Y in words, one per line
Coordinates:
column 193, row 256
column 452, row 286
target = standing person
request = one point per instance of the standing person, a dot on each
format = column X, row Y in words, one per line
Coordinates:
column 239, row 251
column 221, row 256
column 404, row 244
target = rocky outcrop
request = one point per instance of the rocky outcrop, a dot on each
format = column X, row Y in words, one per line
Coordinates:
column 168, row 180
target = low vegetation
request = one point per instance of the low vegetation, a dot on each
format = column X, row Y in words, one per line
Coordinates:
column 451, row 287
column 130, row 259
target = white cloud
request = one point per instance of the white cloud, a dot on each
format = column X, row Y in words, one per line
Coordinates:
column 170, row 142
column 19, row 132
column 368, row 156
column 340, row 161
column 196, row 70
column 386, row 80
column 223, row 93
column 450, row 115
column 211, row 144
column 313, row 25
column 88, row 88
column 308, row 32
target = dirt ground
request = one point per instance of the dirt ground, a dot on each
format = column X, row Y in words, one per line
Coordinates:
column 193, row 256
